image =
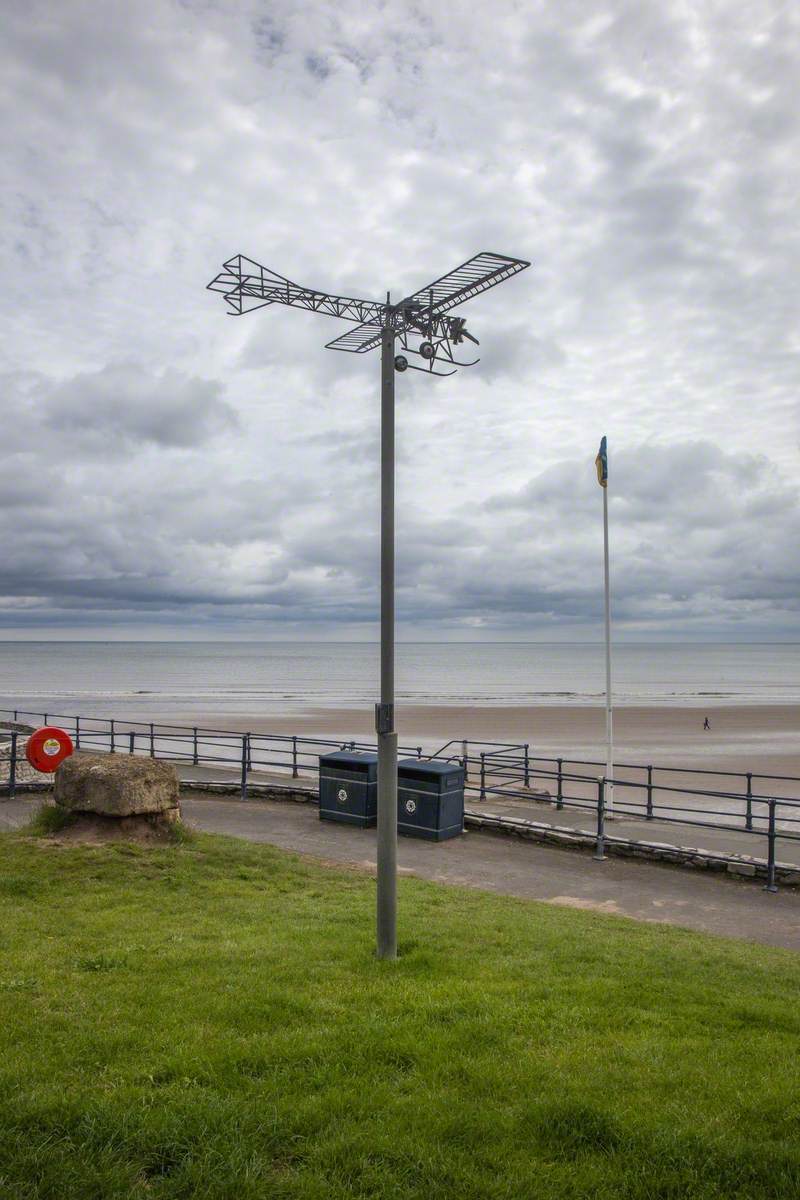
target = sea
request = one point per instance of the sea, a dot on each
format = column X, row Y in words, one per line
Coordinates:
column 161, row 680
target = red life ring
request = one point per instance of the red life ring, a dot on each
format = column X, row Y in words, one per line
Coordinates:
column 48, row 747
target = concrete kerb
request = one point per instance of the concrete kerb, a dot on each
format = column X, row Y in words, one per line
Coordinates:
column 692, row 857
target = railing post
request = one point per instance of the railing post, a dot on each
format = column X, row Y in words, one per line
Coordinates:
column 152, row 742
column 560, row 785
column 45, row 718
column 294, row 758
column 771, row 885
column 244, row 766
column 194, row 745
column 465, row 756
column 12, row 768
column 77, row 733
column 15, row 715
column 249, row 759
column 483, row 776
column 419, row 751
column 527, row 778
column 131, row 741
column 600, row 843
column 748, row 821
column 112, row 738
column 649, row 793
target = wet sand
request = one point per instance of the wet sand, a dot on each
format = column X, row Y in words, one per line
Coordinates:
column 759, row 738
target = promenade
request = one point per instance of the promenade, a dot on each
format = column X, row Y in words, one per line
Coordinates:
column 540, row 808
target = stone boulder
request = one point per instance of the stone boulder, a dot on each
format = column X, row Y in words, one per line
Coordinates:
column 118, row 786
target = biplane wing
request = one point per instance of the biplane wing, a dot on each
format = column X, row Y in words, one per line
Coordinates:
column 359, row 339
column 474, row 276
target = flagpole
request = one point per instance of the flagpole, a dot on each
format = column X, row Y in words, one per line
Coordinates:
column 609, row 790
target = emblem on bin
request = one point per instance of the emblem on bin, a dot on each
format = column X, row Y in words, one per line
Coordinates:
column 341, row 795
column 411, row 806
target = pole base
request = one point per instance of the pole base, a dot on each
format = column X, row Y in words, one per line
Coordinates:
column 386, row 913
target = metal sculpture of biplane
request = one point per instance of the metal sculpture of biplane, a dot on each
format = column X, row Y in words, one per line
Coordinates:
column 421, row 322
column 425, row 328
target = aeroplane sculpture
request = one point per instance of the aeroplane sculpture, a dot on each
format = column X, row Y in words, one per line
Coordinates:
column 421, row 323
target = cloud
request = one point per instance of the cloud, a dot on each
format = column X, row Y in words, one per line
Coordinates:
column 123, row 404
column 163, row 462
column 694, row 530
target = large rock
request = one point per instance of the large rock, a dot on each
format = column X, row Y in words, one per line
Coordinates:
column 117, row 785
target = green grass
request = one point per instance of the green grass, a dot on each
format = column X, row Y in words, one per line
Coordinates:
column 50, row 818
column 208, row 1020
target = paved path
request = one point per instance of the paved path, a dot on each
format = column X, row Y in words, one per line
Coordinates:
column 501, row 864
column 704, row 837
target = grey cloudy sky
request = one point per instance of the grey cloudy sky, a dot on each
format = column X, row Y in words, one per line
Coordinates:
column 167, row 469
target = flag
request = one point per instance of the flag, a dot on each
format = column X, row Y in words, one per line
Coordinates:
column 601, row 462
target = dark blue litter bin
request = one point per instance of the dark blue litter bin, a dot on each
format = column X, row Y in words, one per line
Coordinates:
column 348, row 787
column 430, row 799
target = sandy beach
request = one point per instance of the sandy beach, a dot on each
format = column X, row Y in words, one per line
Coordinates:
column 759, row 738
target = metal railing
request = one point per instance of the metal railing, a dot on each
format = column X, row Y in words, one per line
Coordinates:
column 202, row 746
column 199, row 746
column 498, row 770
column 765, row 816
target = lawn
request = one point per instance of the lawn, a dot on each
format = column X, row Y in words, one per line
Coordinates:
column 208, row 1020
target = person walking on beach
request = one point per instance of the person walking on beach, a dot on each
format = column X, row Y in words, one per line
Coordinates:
column 706, row 724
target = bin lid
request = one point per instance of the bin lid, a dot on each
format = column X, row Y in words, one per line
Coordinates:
column 428, row 768
column 349, row 758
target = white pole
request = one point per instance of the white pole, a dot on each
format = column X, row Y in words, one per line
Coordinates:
column 609, row 791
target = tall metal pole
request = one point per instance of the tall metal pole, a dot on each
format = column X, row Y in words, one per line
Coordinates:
column 384, row 716
column 609, row 789
column 247, row 285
